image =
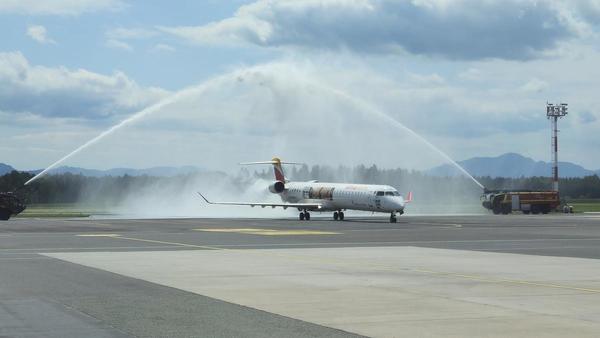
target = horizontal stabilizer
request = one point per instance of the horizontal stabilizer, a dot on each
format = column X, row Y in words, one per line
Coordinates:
column 270, row 162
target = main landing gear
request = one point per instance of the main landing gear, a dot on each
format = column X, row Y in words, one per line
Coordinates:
column 338, row 215
column 304, row 216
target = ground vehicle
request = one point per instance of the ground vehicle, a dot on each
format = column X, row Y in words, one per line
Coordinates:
column 10, row 205
column 535, row 202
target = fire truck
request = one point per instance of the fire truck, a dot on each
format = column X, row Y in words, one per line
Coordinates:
column 10, row 205
column 534, row 202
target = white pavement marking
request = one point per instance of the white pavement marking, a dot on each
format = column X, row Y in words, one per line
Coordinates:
column 269, row 232
column 23, row 258
column 98, row 235
column 385, row 291
column 144, row 247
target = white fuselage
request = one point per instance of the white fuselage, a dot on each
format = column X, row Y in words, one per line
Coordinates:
column 344, row 196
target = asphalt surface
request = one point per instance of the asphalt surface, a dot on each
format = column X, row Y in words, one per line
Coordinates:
column 43, row 296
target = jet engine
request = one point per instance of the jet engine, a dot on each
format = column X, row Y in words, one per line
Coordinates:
column 277, row 187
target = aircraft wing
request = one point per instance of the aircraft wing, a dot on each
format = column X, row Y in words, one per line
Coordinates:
column 272, row 205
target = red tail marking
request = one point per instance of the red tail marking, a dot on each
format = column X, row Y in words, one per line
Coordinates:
column 409, row 198
column 278, row 173
column 278, row 169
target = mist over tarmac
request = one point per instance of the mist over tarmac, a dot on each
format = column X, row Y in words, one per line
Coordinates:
column 161, row 197
column 278, row 109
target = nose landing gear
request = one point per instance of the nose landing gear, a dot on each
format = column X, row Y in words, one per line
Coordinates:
column 393, row 218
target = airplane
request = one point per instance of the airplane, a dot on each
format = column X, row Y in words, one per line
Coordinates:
column 321, row 196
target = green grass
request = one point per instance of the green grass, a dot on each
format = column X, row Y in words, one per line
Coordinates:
column 60, row 210
column 585, row 205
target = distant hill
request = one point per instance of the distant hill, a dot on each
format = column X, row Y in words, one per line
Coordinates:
column 154, row 171
column 511, row 165
column 5, row 168
column 507, row 165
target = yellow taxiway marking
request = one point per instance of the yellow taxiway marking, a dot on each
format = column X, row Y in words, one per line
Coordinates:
column 270, row 232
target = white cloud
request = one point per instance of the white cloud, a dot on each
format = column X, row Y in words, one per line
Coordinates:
column 39, row 34
column 461, row 29
column 298, row 104
column 164, row 48
column 58, row 7
column 471, row 74
column 116, row 44
column 534, row 85
column 116, row 39
column 586, row 117
column 427, row 79
column 130, row 33
column 61, row 92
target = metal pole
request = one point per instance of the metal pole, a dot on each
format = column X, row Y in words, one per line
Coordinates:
column 554, row 112
column 555, row 152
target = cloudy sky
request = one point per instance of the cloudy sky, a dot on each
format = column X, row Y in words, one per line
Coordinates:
column 320, row 81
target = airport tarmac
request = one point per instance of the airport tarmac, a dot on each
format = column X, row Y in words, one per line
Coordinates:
column 424, row 276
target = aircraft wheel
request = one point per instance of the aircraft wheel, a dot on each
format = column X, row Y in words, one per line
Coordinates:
column 341, row 216
column 4, row 215
column 393, row 218
column 335, row 216
column 301, row 216
column 307, row 216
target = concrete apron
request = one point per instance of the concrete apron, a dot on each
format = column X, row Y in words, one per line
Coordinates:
column 385, row 291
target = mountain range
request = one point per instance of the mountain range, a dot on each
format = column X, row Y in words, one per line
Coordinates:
column 5, row 168
column 506, row 165
column 511, row 165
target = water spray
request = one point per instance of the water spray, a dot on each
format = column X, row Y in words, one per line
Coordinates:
column 388, row 118
column 199, row 89
column 146, row 111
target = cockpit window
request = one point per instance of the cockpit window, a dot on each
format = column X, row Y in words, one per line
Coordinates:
column 380, row 193
column 389, row 193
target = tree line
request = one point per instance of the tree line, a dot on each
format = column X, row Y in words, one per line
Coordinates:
column 71, row 188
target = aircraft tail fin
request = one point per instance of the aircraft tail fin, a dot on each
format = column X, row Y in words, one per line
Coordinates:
column 277, row 168
column 409, row 197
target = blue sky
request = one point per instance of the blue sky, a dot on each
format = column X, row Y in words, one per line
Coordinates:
column 472, row 77
column 82, row 41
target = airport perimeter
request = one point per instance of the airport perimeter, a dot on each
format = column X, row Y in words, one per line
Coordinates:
column 459, row 276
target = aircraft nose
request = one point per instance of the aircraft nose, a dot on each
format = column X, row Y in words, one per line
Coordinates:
column 399, row 203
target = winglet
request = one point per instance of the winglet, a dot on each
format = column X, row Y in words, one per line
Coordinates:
column 409, row 198
column 204, row 198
